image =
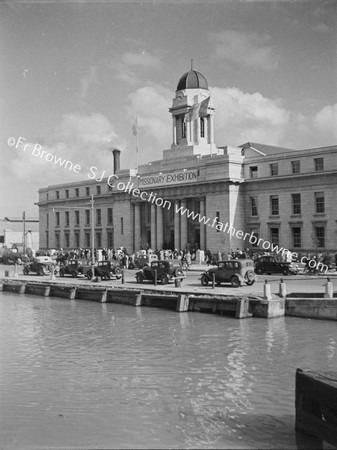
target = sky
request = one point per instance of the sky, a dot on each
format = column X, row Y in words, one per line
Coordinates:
column 75, row 74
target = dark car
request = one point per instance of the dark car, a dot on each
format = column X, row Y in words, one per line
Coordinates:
column 73, row 267
column 234, row 271
column 167, row 270
column 106, row 270
column 42, row 265
column 272, row 264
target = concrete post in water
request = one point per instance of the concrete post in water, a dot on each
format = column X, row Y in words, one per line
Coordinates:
column 282, row 289
column 16, row 271
column 155, row 278
column 266, row 291
column 213, row 280
column 182, row 303
column 328, row 289
column 52, row 274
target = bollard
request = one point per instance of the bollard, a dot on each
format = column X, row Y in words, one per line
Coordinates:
column 15, row 271
column 177, row 282
column 123, row 277
column 282, row 289
column 328, row 289
column 155, row 278
column 52, row 274
column 213, row 280
column 266, row 291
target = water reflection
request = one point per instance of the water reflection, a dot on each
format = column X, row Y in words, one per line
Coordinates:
column 92, row 375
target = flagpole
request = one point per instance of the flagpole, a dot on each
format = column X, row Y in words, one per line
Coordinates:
column 137, row 149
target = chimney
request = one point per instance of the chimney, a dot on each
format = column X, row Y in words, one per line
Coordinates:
column 117, row 159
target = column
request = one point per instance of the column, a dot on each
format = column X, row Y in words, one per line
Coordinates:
column 160, row 230
column 183, row 228
column 137, row 231
column 210, row 129
column 153, row 228
column 176, row 227
column 202, row 226
column 174, row 126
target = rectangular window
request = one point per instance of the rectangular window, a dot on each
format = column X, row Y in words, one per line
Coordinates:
column 98, row 190
column 297, row 237
column 253, row 172
column 98, row 217
column 67, row 219
column 99, row 240
column 87, row 240
column 122, row 226
column 77, row 240
column 67, row 193
column 274, row 205
column 77, row 192
column 47, row 221
column 295, row 166
column 110, row 239
column 296, row 203
column 319, row 202
column 87, row 191
column 77, row 218
column 67, row 240
column 275, row 236
column 319, row 164
column 253, row 206
column 273, row 169
column 57, row 195
column 109, row 214
column 57, row 240
column 320, row 236
column 57, row 218
column 87, row 216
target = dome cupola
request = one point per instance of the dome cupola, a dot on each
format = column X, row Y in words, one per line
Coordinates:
column 192, row 80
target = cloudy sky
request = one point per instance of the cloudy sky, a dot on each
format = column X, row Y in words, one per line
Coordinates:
column 75, row 74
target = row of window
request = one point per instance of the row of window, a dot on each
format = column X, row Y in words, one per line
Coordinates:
column 77, row 242
column 296, row 234
column 295, row 168
column 77, row 192
column 296, row 204
column 87, row 217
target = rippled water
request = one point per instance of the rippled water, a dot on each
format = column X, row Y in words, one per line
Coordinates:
column 77, row 374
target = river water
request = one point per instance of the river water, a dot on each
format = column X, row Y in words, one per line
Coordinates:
column 77, row 374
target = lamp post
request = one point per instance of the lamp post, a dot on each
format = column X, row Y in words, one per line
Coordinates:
column 92, row 238
column 24, row 231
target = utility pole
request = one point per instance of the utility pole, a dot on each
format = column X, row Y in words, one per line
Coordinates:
column 24, row 231
column 92, row 238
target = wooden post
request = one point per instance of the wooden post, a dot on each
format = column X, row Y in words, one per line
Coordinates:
column 282, row 288
column 266, row 291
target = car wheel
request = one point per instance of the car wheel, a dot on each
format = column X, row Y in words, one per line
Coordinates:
column 40, row 271
column 108, row 276
column 204, row 280
column 235, row 281
column 118, row 271
column 259, row 271
column 179, row 273
column 164, row 279
column 250, row 278
column 139, row 278
column 74, row 274
column 285, row 272
column 25, row 271
column 89, row 274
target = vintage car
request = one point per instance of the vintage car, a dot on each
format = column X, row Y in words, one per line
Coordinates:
column 106, row 270
column 42, row 265
column 234, row 271
column 273, row 264
column 167, row 270
column 145, row 260
column 74, row 267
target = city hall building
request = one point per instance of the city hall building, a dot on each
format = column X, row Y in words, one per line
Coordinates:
column 198, row 195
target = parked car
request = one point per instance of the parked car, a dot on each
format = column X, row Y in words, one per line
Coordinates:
column 73, row 267
column 235, row 271
column 106, row 270
column 273, row 264
column 42, row 265
column 167, row 270
column 145, row 260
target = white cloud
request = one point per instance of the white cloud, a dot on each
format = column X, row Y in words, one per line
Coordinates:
column 244, row 49
column 89, row 78
column 326, row 121
column 142, row 59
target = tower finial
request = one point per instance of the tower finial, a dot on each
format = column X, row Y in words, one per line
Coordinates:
column 191, row 64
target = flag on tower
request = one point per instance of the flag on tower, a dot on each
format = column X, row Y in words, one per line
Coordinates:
column 203, row 107
column 135, row 127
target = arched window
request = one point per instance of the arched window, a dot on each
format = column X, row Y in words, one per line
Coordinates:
column 202, row 127
column 183, row 127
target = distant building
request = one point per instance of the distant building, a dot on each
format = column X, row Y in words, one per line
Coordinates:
column 12, row 233
column 201, row 196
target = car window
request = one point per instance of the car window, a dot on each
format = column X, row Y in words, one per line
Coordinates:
column 155, row 265
column 229, row 265
column 221, row 265
column 236, row 265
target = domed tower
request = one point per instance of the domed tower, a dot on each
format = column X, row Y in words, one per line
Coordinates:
column 193, row 116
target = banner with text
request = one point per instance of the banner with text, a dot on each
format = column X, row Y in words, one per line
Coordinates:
column 171, row 178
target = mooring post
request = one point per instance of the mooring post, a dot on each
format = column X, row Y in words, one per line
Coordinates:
column 282, row 289
column 52, row 274
column 16, row 271
column 266, row 291
column 328, row 289
column 213, row 280
column 123, row 277
column 155, row 278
